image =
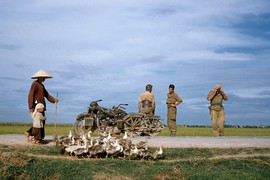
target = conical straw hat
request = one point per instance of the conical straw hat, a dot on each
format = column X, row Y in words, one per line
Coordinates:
column 41, row 73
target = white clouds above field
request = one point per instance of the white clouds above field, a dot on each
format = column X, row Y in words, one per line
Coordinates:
column 111, row 49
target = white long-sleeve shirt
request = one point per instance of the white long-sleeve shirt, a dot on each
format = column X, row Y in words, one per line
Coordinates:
column 37, row 118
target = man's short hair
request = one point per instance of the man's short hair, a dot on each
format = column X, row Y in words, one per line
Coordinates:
column 171, row 86
column 148, row 87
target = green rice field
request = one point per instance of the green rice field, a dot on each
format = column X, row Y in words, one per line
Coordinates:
column 63, row 129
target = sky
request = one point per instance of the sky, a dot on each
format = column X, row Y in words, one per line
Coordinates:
column 112, row 49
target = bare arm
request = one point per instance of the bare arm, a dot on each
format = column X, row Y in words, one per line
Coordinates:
column 225, row 97
column 212, row 95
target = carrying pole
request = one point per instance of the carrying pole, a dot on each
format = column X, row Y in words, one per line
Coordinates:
column 55, row 118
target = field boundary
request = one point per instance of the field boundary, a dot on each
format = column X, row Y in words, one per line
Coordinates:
column 216, row 157
column 168, row 142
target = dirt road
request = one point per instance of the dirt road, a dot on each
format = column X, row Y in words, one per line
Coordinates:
column 168, row 142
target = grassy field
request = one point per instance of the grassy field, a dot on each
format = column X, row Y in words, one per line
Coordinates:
column 20, row 128
column 51, row 162
column 63, row 129
column 45, row 162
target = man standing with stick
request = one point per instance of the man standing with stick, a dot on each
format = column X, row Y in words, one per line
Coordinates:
column 37, row 94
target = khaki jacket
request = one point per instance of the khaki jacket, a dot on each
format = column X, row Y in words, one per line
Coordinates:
column 172, row 99
column 216, row 102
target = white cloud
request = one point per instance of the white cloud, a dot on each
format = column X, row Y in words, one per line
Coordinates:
column 256, row 92
column 112, row 49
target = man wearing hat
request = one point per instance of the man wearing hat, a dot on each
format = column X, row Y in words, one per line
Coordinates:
column 146, row 103
column 216, row 108
column 37, row 94
column 173, row 100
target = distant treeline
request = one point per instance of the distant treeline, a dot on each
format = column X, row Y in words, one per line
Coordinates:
column 227, row 126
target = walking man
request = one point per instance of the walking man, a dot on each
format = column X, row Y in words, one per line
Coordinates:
column 173, row 100
column 37, row 94
column 216, row 108
column 146, row 103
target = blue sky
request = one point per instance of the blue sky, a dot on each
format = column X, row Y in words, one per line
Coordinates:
column 111, row 49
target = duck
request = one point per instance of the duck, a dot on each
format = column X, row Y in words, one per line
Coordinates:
column 125, row 142
column 119, row 151
column 114, row 143
column 71, row 149
column 62, row 141
column 142, row 144
column 107, row 138
column 91, row 143
column 89, row 135
column 84, row 139
column 125, row 135
column 134, row 153
column 145, row 153
column 158, row 154
column 97, row 150
column 70, row 135
column 81, row 150
column 73, row 141
column 114, row 149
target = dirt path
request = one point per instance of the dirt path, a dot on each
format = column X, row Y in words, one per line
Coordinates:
column 168, row 142
column 209, row 142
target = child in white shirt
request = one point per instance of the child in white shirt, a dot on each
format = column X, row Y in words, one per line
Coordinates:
column 38, row 119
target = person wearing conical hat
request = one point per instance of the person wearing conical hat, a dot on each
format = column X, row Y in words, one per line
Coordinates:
column 37, row 94
column 216, row 109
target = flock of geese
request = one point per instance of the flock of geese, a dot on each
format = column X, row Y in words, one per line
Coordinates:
column 107, row 146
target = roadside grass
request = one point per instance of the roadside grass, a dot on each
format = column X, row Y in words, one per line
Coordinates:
column 47, row 162
column 207, row 131
column 20, row 128
column 63, row 129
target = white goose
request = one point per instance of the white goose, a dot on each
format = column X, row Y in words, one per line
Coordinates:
column 107, row 138
column 73, row 141
column 84, row 139
column 89, row 135
column 96, row 150
column 113, row 150
column 70, row 135
column 145, row 153
column 91, row 143
column 125, row 142
column 125, row 136
column 63, row 141
column 158, row 154
column 71, row 149
column 134, row 153
column 82, row 149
